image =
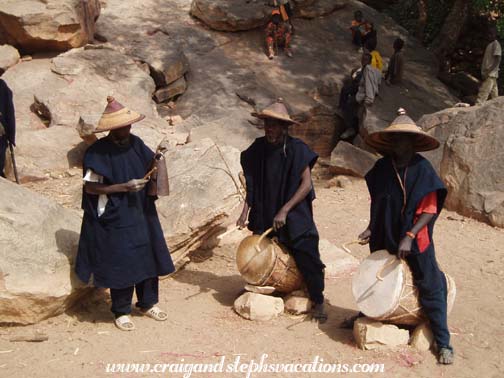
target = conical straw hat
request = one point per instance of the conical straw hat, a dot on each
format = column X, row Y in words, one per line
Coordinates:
column 277, row 110
column 116, row 116
column 403, row 124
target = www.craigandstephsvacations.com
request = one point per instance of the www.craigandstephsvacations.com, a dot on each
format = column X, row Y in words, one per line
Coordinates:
column 245, row 368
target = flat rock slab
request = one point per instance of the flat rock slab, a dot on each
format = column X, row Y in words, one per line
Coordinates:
column 350, row 160
column 297, row 305
column 370, row 334
column 260, row 307
column 338, row 263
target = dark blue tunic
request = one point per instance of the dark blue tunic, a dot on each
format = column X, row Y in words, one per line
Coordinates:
column 125, row 245
column 388, row 225
column 272, row 179
column 8, row 121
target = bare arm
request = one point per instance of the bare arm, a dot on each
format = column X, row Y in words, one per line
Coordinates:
column 130, row 186
column 304, row 188
column 405, row 245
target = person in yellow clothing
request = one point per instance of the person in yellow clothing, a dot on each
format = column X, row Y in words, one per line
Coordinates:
column 376, row 58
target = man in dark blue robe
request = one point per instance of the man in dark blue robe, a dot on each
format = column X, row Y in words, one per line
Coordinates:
column 406, row 198
column 7, row 123
column 277, row 170
column 121, row 243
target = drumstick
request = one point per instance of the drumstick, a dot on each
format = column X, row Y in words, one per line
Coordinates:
column 358, row 241
column 148, row 174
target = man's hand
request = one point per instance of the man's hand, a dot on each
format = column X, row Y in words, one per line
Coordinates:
column 364, row 236
column 135, row 185
column 405, row 247
column 280, row 220
column 242, row 220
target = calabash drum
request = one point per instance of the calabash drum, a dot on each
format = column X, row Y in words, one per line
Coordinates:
column 265, row 262
column 383, row 289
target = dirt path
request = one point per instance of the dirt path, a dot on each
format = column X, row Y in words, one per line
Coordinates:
column 202, row 327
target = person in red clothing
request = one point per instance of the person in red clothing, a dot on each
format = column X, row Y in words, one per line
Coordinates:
column 361, row 29
column 406, row 198
column 278, row 34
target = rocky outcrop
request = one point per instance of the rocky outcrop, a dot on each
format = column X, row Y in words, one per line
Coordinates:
column 38, row 244
column 52, row 25
column 9, row 56
column 470, row 159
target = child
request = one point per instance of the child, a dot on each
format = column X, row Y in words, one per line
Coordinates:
column 396, row 65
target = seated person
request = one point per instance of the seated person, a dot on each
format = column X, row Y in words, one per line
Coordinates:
column 278, row 33
column 376, row 58
column 360, row 29
column 396, row 65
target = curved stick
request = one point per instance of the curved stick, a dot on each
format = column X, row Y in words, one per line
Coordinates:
column 265, row 233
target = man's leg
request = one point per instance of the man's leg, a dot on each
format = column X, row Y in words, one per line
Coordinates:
column 432, row 289
column 350, row 119
column 269, row 46
column 494, row 93
column 305, row 252
column 147, row 293
column 357, row 37
column 3, row 150
column 485, row 90
column 121, row 301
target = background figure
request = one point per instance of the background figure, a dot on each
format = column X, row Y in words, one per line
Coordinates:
column 7, row 123
column 490, row 68
column 395, row 69
column 360, row 28
column 376, row 58
column 278, row 34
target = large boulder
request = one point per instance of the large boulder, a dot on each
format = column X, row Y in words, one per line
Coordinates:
column 230, row 15
column 204, row 189
column 470, row 164
column 38, row 244
column 350, row 160
column 50, row 25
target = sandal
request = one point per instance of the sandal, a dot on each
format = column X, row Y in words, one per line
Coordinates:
column 155, row 313
column 124, row 323
column 446, row 356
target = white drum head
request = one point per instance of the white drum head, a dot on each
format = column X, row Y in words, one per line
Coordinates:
column 378, row 298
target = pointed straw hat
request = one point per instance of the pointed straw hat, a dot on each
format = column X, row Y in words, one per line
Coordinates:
column 277, row 110
column 403, row 124
column 116, row 116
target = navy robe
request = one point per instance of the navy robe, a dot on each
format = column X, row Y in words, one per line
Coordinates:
column 8, row 121
column 388, row 226
column 125, row 245
column 272, row 180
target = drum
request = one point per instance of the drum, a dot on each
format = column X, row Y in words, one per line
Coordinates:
column 383, row 289
column 265, row 262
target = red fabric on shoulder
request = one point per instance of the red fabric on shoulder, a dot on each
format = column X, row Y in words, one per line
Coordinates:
column 427, row 205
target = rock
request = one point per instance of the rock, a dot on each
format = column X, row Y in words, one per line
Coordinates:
column 172, row 90
column 38, row 240
column 162, row 54
column 339, row 182
column 260, row 289
column 229, row 15
column 9, row 56
column 338, row 263
column 203, row 185
column 52, row 25
column 260, row 307
column 370, row 334
column 297, row 305
column 319, row 8
column 350, row 160
column 470, row 166
column 422, row 337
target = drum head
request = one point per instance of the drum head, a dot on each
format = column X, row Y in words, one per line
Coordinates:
column 378, row 298
column 255, row 266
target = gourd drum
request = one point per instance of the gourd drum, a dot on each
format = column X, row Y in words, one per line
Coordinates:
column 265, row 262
column 383, row 289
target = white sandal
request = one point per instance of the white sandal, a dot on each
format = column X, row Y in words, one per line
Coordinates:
column 124, row 323
column 156, row 313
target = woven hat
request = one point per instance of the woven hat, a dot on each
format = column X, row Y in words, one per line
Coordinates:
column 116, row 116
column 277, row 110
column 381, row 140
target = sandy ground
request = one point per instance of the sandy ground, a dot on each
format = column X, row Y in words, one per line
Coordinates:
column 202, row 327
